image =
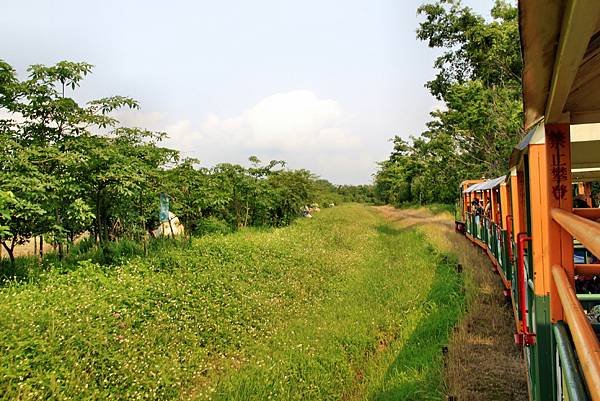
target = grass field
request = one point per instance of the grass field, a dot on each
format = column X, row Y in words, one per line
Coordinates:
column 482, row 363
column 342, row 306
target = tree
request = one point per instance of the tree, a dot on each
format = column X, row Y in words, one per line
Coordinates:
column 68, row 164
column 66, row 168
column 5, row 198
column 478, row 78
column 28, row 192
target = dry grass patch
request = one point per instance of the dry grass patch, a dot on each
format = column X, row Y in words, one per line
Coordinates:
column 482, row 362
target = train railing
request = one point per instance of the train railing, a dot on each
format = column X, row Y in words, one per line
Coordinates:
column 584, row 338
column 495, row 240
column 569, row 366
column 587, row 269
column 578, row 348
column 583, row 229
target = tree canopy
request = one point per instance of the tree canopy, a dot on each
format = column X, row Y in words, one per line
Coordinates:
column 68, row 168
column 478, row 79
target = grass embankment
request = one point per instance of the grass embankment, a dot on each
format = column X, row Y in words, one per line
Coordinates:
column 482, row 363
column 342, row 306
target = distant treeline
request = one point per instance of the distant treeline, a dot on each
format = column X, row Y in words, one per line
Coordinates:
column 479, row 80
column 357, row 193
column 67, row 168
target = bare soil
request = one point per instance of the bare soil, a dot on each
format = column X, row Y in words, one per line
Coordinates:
column 31, row 248
column 482, row 362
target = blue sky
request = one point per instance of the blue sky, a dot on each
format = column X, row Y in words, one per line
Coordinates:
column 321, row 84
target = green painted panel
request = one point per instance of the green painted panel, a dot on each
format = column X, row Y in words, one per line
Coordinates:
column 504, row 255
column 542, row 367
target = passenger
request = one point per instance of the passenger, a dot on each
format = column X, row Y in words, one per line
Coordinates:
column 477, row 209
column 579, row 202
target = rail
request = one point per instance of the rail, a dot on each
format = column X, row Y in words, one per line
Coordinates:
column 587, row 269
column 588, row 213
column 584, row 338
column 574, row 387
column 588, row 297
column 584, row 230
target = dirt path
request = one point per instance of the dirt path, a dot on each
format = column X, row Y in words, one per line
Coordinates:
column 482, row 362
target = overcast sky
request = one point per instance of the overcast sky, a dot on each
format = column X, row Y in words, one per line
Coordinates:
column 321, row 84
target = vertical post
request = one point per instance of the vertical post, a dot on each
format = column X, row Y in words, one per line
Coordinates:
column 550, row 187
column 494, row 196
column 550, row 169
column 588, row 194
column 463, row 197
column 580, row 188
column 469, row 200
column 517, row 191
column 504, row 205
column 486, row 198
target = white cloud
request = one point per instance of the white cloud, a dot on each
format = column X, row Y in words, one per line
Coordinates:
column 296, row 126
column 135, row 118
column 285, row 121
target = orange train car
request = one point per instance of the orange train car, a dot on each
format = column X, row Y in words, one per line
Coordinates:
column 539, row 224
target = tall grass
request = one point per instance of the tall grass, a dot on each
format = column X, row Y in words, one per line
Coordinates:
column 110, row 254
column 342, row 306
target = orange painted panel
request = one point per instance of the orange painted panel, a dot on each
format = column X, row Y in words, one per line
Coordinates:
column 550, row 184
column 504, row 205
column 517, row 189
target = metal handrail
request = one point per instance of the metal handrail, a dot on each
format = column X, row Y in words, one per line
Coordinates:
column 588, row 297
column 584, row 230
column 584, row 337
column 575, row 388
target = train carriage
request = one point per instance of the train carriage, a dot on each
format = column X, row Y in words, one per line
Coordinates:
column 531, row 223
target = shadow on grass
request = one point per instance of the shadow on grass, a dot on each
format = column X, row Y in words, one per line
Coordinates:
column 386, row 229
column 417, row 370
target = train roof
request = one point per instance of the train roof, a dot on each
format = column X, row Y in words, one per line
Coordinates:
column 585, row 148
column 560, row 44
column 489, row 184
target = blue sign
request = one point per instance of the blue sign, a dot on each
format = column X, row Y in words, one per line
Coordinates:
column 163, row 213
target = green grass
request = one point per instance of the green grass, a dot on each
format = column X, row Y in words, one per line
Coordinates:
column 341, row 306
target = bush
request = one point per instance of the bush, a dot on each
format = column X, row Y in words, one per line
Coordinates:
column 212, row 225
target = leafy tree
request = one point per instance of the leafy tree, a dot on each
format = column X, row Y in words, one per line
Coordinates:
column 5, row 198
column 28, row 192
column 67, row 168
column 474, row 49
column 478, row 78
column 356, row 193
